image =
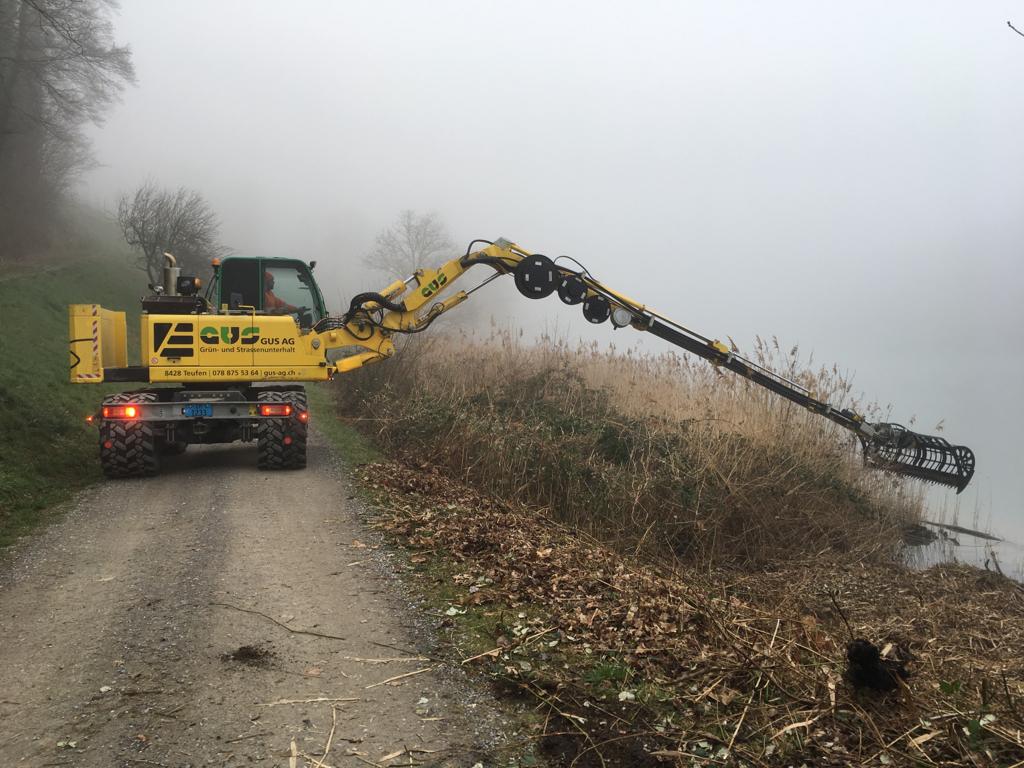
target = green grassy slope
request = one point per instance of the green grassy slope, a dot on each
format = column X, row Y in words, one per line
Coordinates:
column 354, row 447
column 46, row 448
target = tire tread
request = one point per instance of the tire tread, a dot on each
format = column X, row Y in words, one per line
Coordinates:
column 272, row 453
column 134, row 451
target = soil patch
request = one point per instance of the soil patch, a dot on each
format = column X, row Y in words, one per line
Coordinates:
column 250, row 655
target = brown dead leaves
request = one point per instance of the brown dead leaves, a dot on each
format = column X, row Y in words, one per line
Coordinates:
column 728, row 668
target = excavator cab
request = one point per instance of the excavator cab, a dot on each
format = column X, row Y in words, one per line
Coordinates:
column 270, row 287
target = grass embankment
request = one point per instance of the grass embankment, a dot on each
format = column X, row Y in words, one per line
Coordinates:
column 668, row 565
column 352, row 444
column 47, row 451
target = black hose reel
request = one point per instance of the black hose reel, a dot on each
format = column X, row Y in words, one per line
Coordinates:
column 537, row 277
column 572, row 290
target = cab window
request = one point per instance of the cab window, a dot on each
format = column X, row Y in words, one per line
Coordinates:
column 287, row 289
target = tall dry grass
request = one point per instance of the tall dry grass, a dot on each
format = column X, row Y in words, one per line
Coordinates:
column 658, row 453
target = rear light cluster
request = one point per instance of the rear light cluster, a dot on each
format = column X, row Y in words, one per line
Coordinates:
column 267, row 409
column 120, row 411
column 276, row 409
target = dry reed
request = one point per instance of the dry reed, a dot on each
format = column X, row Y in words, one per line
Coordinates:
column 659, row 454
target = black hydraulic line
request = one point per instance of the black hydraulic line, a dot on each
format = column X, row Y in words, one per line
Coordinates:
column 363, row 298
column 738, row 365
column 469, row 248
column 496, row 262
column 583, row 270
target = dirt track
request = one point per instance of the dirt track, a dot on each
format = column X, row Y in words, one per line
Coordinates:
column 116, row 633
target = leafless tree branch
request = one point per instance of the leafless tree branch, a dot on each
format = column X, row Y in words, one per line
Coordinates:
column 59, row 70
column 413, row 241
column 154, row 220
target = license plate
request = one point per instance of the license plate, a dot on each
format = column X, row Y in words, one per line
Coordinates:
column 198, row 410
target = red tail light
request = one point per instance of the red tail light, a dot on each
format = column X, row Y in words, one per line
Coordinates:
column 120, row 411
column 276, row 409
column 303, row 417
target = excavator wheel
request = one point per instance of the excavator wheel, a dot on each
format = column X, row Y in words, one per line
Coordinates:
column 129, row 448
column 281, row 443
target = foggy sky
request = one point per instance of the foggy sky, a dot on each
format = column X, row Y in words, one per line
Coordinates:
column 847, row 178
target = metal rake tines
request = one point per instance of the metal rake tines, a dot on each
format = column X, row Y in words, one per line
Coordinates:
column 895, row 448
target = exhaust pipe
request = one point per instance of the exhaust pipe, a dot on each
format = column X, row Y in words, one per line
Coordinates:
column 171, row 273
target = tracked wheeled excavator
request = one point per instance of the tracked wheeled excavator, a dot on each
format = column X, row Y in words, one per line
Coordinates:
column 231, row 362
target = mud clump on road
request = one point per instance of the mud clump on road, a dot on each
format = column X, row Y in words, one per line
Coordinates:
column 250, row 655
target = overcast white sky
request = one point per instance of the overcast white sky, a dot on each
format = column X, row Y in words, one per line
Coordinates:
column 849, row 178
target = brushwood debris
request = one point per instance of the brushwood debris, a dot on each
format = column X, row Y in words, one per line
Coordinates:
column 641, row 663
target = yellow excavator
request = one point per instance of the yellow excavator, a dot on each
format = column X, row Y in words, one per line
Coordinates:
column 239, row 351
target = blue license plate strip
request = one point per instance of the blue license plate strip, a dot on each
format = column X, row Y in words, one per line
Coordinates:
column 198, row 410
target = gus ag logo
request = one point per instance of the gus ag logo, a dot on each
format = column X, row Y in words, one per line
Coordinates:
column 229, row 334
column 173, row 340
column 434, row 285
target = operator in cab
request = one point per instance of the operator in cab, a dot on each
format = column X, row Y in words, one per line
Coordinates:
column 271, row 303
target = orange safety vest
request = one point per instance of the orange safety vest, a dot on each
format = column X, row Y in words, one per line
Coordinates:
column 270, row 301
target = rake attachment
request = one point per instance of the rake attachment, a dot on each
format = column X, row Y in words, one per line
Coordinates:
column 895, row 448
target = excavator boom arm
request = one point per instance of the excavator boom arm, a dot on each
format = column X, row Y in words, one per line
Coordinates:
column 411, row 305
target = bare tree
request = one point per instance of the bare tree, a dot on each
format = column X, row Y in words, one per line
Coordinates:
column 413, row 241
column 155, row 220
column 59, row 69
column 65, row 49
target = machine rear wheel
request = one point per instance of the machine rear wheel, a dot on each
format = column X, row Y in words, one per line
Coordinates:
column 129, row 448
column 281, row 443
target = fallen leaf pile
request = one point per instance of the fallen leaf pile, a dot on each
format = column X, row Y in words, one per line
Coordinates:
column 642, row 664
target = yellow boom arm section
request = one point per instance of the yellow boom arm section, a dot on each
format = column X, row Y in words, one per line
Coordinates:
column 406, row 306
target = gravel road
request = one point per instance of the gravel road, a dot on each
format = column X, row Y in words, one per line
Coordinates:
column 125, row 638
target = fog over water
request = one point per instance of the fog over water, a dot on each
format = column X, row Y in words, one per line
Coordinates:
column 849, row 179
